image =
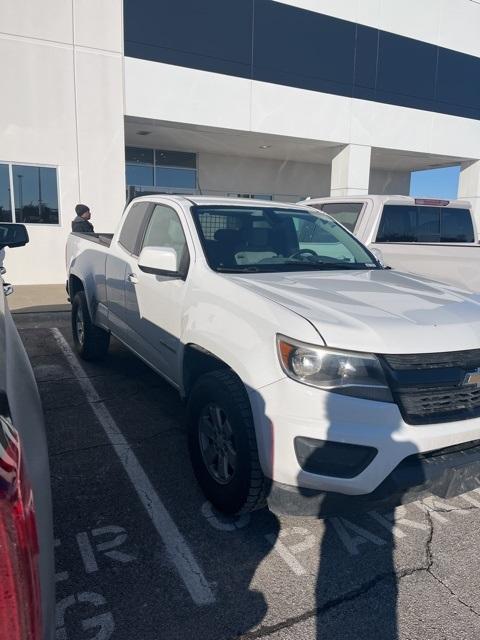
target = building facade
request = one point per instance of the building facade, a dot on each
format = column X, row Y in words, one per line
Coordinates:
column 106, row 99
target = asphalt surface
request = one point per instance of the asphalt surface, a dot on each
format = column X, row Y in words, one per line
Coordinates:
column 141, row 556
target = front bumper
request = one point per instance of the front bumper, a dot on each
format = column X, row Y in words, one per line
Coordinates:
column 286, row 410
column 445, row 474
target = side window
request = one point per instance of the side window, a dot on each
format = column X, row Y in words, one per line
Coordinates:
column 346, row 213
column 165, row 230
column 457, row 225
column 133, row 226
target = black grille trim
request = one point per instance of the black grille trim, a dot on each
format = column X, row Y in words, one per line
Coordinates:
column 429, row 387
column 442, row 404
column 458, row 359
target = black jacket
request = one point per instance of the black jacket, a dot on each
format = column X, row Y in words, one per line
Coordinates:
column 79, row 225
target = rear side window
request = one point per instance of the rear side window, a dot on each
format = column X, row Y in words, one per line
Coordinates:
column 410, row 223
column 133, row 227
column 457, row 226
column 346, row 213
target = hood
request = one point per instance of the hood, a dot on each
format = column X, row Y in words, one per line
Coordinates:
column 378, row 311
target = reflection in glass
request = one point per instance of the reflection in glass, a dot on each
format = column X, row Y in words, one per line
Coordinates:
column 5, row 200
column 140, row 175
column 160, row 168
column 138, row 155
column 36, row 197
column 175, row 178
column 175, row 159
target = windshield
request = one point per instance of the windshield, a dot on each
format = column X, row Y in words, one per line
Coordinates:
column 243, row 239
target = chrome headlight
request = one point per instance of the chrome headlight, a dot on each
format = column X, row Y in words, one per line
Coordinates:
column 347, row 372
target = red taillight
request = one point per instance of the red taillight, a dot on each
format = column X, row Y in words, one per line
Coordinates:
column 432, row 202
column 20, row 610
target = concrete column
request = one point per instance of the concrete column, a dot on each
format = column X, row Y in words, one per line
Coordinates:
column 469, row 185
column 351, row 171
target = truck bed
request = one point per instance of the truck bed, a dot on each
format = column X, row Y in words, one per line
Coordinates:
column 104, row 239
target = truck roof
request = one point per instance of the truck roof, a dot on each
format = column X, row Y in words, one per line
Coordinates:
column 391, row 199
column 213, row 200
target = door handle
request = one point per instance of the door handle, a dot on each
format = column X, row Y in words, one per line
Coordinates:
column 7, row 289
column 132, row 278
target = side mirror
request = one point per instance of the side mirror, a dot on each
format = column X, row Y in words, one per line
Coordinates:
column 13, row 235
column 379, row 256
column 161, row 261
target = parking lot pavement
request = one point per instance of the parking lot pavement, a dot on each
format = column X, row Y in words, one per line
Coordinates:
column 141, row 555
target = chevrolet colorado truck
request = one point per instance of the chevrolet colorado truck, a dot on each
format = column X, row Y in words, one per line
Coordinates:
column 435, row 238
column 315, row 379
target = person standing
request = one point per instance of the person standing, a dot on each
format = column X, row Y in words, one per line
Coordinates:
column 81, row 223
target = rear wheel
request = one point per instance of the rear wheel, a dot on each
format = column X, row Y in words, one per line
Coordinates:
column 91, row 342
column 223, row 446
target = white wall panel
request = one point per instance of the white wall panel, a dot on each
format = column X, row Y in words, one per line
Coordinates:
column 62, row 110
column 229, row 174
column 44, row 19
column 176, row 94
column 98, row 24
column 101, row 144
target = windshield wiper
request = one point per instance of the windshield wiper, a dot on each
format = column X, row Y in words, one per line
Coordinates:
column 310, row 266
column 246, row 269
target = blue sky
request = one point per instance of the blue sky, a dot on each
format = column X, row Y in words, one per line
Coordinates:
column 438, row 183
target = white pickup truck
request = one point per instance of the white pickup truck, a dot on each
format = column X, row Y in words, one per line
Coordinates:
column 314, row 378
column 438, row 239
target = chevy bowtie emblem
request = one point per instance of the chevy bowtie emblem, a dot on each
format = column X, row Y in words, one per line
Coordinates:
column 472, row 378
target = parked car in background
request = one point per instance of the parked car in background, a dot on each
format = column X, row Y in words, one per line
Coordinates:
column 27, row 595
column 438, row 239
column 311, row 373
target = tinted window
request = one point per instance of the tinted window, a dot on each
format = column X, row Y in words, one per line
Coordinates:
column 175, row 178
column 457, row 226
column 35, row 192
column 175, row 159
column 139, row 155
column 346, row 213
column 165, row 230
column 139, row 175
column 409, row 223
column 5, row 200
column 132, row 227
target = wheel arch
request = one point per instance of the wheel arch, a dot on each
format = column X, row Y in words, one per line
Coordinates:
column 198, row 361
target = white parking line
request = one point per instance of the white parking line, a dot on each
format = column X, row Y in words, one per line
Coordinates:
column 175, row 544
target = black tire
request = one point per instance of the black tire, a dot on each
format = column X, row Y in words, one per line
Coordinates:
column 94, row 342
column 247, row 489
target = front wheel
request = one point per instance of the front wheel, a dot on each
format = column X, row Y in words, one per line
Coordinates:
column 223, row 445
column 91, row 342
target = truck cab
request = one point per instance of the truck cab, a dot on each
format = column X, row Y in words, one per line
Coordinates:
column 436, row 238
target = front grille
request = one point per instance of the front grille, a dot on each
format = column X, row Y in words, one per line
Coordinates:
column 443, row 403
column 429, row 387
column 419, row 361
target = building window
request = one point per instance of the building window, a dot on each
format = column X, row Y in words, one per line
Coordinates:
column 28, row 194
column 5, row 196
column 161, row 169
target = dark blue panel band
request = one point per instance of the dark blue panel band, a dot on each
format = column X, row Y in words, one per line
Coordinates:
column 278, row 43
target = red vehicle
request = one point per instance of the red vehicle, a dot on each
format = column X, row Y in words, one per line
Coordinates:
column 26, row 531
